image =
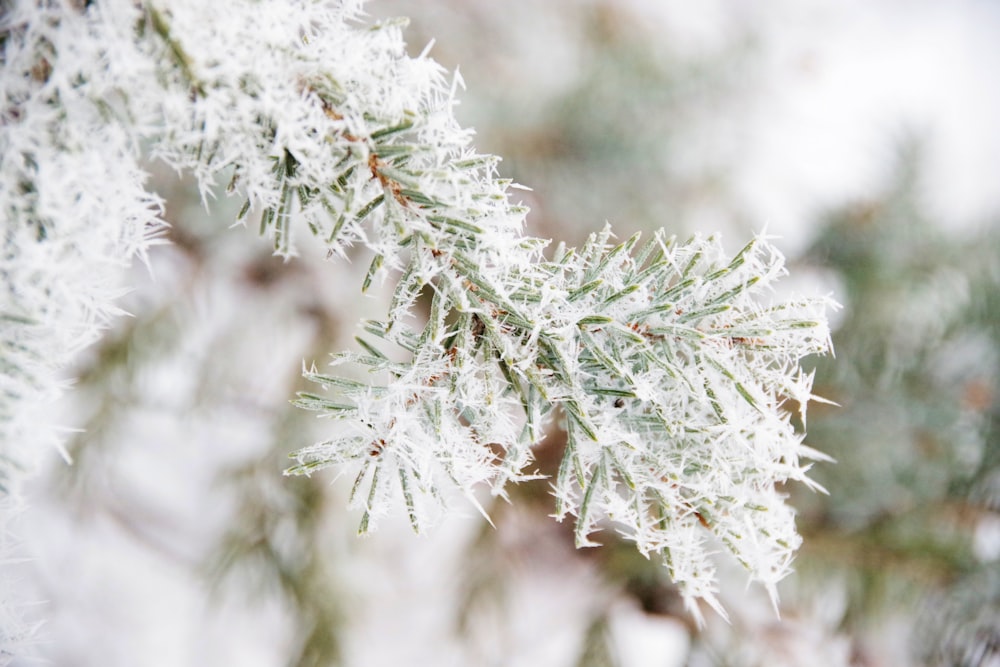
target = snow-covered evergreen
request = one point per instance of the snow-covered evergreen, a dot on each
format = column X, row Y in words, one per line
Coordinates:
column 670, row 365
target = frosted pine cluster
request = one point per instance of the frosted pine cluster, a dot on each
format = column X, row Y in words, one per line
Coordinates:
column 667, row 363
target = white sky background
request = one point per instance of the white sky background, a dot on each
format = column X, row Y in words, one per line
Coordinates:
column 841, row 82
column 849, row 78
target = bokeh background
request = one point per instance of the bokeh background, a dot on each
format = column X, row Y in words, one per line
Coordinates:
column 864, row 135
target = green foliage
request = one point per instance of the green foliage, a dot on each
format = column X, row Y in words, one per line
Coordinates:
column 916, row 438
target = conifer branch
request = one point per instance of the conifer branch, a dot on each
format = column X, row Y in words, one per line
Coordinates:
column 665, row 363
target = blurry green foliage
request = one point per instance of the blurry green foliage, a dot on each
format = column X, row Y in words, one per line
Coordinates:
column 916, row 374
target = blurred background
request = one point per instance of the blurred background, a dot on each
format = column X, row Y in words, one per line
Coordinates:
column 864, row 135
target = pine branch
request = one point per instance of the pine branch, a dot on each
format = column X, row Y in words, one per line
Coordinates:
column 665, row 364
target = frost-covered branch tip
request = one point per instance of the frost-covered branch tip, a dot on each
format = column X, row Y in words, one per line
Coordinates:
column 665, row 363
